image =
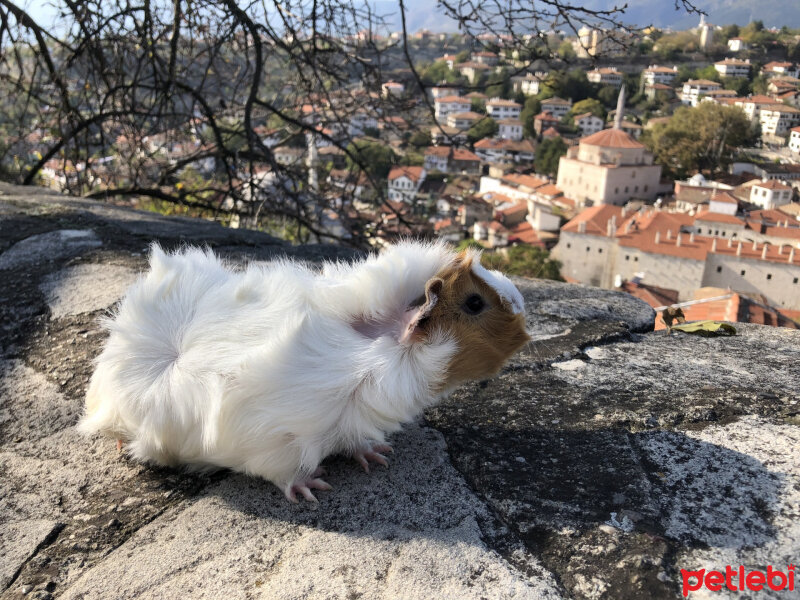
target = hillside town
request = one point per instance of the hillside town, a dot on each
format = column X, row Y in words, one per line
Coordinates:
column 589, row 160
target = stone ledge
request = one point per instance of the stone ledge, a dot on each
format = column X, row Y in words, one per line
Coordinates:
column 600, row 462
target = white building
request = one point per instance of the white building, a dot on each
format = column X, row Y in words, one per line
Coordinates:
column 605, row 76
column 404, row 182
column 656, row 74
column 463, row 120
column 558, row 107
column 694, row 88
column 393, row 88
column 770, row 194
column 588, row 123
column 778, row 119
column 794, row 140
column 509, row 129
column 774, row 68
column 733, row 67
column 529, row 84
column 497, row 108
column 608, row 167
column 447, row 105
column 753, row 105
column 736, row 44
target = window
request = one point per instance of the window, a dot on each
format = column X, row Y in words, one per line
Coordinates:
column 769, row 275
column 626, row 189
column 742, row 272
column 635, row 259
column 636, row 188
column 569, row 245
column 599, row 250
column 719, row 269
column 645, row 188
column 794, row 280
column 616, row 190
column 587, row 248
column 627, row 257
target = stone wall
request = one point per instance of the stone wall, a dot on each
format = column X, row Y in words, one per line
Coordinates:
column 600, row 462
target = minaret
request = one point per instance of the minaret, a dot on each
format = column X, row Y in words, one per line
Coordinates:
column 312, row 162
column 620, row 108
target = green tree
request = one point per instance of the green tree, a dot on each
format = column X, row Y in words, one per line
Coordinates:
column 482, row 129
column 741, row 85
column 590, row 105
column 478, row 105
column 530, row 109
column 566, row 51
column 608, row 95
column 699, row 138
column 420, row 138
column 523, row 260
column 709, row 73
column 548, row 154
column 438, row 72
column 376, row 157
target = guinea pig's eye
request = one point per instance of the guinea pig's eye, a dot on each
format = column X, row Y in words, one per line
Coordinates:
column 473, row 305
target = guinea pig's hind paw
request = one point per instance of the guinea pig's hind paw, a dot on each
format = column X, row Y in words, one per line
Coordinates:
column 304, row 486
column 372, row 452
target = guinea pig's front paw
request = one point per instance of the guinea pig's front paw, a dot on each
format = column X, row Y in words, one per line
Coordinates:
column 304, row 485
column 372, row 452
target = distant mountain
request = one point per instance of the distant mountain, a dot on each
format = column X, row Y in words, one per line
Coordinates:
column 426, row 14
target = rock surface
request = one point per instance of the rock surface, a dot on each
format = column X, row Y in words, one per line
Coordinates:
column 598, row 464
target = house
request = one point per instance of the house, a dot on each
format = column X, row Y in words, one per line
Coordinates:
column 659, row 91
column 558, row 107
column 463, row 120
column 485, row 58
column 656, row 74
column 770, row 194
column 450, row 59
column 497, row 108
column 694, row 88
column 392, row 88
column 544, row 121
column 509, row 129
column 794, row 140
column 446, row 135
column 733, row 67
column 472, row 70
column 774, row 68
column 588, row 123
column 451, row 160
column 737, row 44
column 752, row 105
column 435, row 158
column 778, row 119
column 404, row 182
column 495, row 150
column 464, row 161
column 528, row 84
column 447, row 105
column 605, row 76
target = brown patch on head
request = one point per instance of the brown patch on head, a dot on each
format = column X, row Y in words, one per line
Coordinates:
column 486, row 331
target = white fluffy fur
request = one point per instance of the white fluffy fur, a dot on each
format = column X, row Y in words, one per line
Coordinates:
column 262, row 370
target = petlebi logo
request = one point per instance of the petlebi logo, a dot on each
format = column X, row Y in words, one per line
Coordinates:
column 738, row 579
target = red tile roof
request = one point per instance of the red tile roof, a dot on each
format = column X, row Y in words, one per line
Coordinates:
column 413, row 173
column 596, row 219
column 525, row 233
column 716, row 217
column 464, row 154
column 524, row 180
column 611, row 138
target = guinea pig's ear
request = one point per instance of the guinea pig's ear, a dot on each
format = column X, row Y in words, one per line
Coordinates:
column 416, row 315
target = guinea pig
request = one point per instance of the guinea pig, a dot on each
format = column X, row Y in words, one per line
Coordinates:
column 270, row 369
